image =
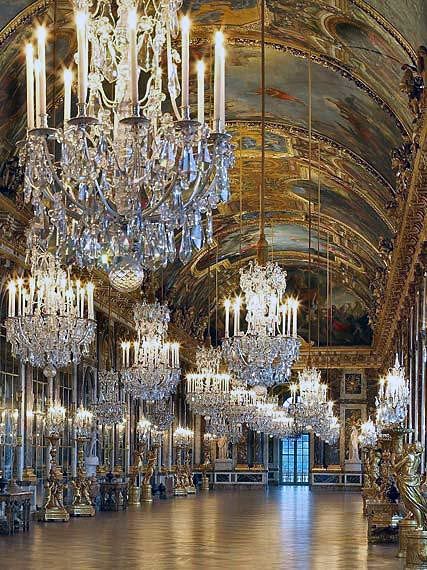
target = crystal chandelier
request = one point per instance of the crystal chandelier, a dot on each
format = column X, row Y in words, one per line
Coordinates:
column 143, row 430
column 207, row 388
column 266, row 351
column 154, row 372
column 161, row 415
column 55, row 420
column 264, row 413
column 134, row 166
column 83, row 422
column 110, row 409
column 284, row 425
column 183, row 436
column 328, row 426
column 50, row 319
column 368, row 434
column 9, row 426
column 393, row 396
column 221, row 426
column 310, row 405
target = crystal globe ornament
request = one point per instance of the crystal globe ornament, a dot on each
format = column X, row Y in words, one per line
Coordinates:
column 126, row 275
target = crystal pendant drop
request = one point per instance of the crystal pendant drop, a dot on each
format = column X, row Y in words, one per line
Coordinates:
column 185, row 248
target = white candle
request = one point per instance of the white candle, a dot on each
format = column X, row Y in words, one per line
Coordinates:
column 236, row 316
column 82, row 302
column 288, row 328
column 20, row 282
column 218, row 80
column 294, row 315
column 41, row 54
column 133, row 58
column 185, row 66
column 68, row 80
column 83, row 56
column 29, row 52
column 37, row 68
column 227, row 304
column 12, row 293
column 284, row 307
column 201, row 92
column 90, row 311
column 123, row 353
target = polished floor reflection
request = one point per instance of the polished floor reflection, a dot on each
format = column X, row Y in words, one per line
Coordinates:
column 289, row 527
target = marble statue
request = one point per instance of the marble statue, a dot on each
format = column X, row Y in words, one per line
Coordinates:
column 222, row 448
column 91, row 459
column 353, row 454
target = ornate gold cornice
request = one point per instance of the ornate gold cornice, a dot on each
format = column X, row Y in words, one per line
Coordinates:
column 408, row 248
column 23, row 18
column 337, row 357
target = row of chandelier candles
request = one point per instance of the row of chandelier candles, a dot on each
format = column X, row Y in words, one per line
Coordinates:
column 36, row 73
column 392, row 397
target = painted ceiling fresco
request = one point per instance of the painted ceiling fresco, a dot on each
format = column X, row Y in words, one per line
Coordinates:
column 357, row 48
column 408, row 16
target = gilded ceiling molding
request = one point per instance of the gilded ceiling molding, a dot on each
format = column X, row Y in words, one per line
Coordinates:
column 344, row 273
column 284, row 128
column 408, row 248
column 328, row 225
column 337, row 357
column 23, row 18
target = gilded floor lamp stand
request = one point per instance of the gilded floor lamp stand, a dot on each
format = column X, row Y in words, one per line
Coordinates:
column 134, row 471
column 180, row 489
column 406, row 526
column 134, row 495
column 53, row 509
column 416, row 550
column 205, row 483
column 146, row 491
column 82, row 503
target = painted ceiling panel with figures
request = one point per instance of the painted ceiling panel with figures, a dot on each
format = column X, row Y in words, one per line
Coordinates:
column 353, row 51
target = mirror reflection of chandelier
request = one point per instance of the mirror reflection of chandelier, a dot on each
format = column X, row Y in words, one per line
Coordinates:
column 207, row 388
column 393, row 396
column 151, row 369
column 50, row 316
column 161, row 414
column 368, row 433
column 266, row 351
column 110, row 408
column 130, row 173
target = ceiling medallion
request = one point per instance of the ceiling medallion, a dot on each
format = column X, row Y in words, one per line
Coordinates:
column 129, row 176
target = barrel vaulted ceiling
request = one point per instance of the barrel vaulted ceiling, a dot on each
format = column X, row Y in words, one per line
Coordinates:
column 356, row 49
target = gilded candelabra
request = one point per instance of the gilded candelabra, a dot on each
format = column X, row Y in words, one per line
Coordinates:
column 82, row 503
column 134, row 471
column 53, row 507
column 189, row 483
column 413, row 528
column 146, row 495
column 180, row 489
column 207, row 463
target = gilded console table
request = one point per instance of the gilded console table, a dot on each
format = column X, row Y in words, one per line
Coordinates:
column 16, row 509
column 114, row 496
